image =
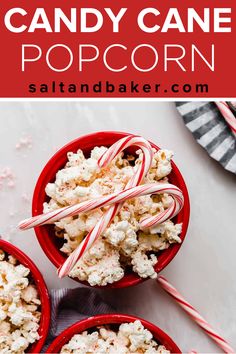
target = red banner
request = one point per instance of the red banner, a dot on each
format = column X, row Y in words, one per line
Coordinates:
column 118, row 49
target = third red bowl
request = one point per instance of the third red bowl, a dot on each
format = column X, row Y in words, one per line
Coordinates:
column 110, row 319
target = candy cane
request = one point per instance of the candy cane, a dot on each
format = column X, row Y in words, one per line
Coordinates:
column 228, row 115
column 108, row 216
column 118, row 197
column 194, row 314
column 107, row 157
column 123, row 144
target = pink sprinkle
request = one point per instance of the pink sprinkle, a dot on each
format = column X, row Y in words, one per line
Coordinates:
column 24, row 143
column 7, row 178
column 6, row 173
column 11, row 184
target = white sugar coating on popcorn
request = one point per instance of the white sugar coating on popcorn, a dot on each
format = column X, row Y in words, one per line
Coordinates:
column 123, row 243
column 19, row 307
column 129, row 338
column 100, row 265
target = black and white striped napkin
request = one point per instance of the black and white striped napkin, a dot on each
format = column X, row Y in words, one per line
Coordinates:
column 211, row 131
column 72, row 305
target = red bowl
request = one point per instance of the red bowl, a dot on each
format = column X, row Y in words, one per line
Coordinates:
column 160, row 336
column 45, row 234
column 42, row 289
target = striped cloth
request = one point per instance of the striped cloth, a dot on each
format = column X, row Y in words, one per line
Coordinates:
column 211, row 131
column 71, row 305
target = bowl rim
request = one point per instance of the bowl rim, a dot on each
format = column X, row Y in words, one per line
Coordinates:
column 42, row 289
column 132, row 279
column 104, row 319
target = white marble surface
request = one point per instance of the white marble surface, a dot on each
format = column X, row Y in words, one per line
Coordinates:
column 204, row 269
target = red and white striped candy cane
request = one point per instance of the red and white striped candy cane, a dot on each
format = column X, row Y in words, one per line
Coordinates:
column 194, row 314
column 108, row 216
column 123, row 144
column 227, row 114
column 114, row 198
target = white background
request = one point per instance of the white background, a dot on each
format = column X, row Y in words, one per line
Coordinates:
column 203, row 270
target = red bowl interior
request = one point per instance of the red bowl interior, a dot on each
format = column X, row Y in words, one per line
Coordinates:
column 160, row 336
column 42, row 289
column 45, row 234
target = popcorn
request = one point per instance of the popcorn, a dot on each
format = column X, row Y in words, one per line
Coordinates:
column 123, row 243
column 130, row 338
column 169, row 231
column 19, row 303
column 20, row 344
column 99, row 266
column 30, row 295
column 116, row 233
column 162, row 160
column 143, row 265
column 149, row 242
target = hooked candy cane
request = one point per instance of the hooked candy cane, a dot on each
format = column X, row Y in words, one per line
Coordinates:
column 113, row 151
column 227, row 114
column 118, row 197
column 194, row 314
